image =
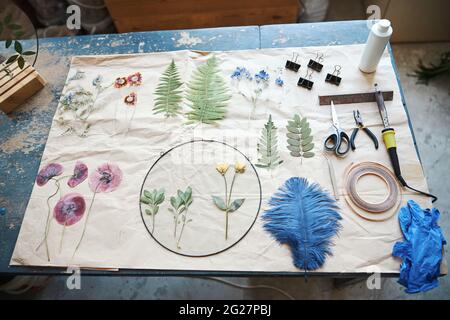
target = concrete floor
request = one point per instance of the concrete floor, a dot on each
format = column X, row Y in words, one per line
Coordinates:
column 429, row 110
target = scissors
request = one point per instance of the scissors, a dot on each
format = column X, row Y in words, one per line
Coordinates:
column 338, row 141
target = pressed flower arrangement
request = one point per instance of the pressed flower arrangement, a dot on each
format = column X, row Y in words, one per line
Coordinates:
column 130, row 100
column 77, row 104
column 71, row 207
column 258, row 83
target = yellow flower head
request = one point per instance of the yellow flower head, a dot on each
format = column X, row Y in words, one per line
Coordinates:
column 239, row 167
column 222, row 168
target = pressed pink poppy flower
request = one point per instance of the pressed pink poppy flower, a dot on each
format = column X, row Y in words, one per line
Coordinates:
column 69, row 209
column 47, row 172
column 80, row 174
column 106, row 178
column 131, row 99
column 120, row 82
column 135, row 79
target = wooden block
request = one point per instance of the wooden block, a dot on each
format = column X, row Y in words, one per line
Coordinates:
column 18, row 85
column 142, row 15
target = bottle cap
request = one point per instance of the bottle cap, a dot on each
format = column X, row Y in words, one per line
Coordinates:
column 383, row 25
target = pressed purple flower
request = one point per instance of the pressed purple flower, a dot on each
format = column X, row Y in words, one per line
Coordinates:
column 69, row 209
column 47, row 172
column 106, row 178
column 135, row 79
column 80, row 174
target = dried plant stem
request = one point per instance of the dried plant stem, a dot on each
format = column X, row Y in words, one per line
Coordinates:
column 153, row 220
column 62, row 236
column 182, row 228
column 86, row 221
column 47, row 224
column 228, row 206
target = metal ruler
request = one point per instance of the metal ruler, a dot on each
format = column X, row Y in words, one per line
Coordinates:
column 354, row 98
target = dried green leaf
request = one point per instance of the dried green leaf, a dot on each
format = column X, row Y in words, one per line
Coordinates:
column 235, row 205
column 218, row 201
column 308, row 154
column 18, row 47
column 168, row 95
column 207, row 94
column 12, row 59
column 145, row 200
column 299, row 137
column 267, row 146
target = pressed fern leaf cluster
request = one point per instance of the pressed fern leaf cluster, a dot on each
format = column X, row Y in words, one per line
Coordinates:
column 299, row 137
column 168, row 93
column 267, row 147
column 207, row 94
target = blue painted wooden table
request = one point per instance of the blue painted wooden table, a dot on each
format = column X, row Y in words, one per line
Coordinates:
column 23, row 134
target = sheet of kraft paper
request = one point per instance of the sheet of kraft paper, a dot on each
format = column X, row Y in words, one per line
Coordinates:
column 131, row 138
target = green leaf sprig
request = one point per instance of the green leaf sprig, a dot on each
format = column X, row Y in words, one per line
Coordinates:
column 267, row 147
column 180, row 204
column 7, row 23
column 168, row 95
column 153, row 199
column 299, row 138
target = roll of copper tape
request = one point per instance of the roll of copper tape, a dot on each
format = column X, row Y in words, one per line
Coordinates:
column 372, row 168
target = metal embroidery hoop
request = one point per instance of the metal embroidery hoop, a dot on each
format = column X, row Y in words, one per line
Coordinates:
column 162, row 155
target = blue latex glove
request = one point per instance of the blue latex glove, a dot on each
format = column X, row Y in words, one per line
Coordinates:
column 422, row 249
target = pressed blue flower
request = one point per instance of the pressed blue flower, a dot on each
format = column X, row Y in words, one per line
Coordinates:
column 237, row 73
column 97, row 81
column 279, row 82
column 262, row 76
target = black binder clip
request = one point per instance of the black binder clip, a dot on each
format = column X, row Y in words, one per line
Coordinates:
column 316, row 65
column 306, row 82
column 292, row 64
column 334, row 78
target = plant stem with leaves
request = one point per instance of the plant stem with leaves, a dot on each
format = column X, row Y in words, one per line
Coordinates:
column 226, row 204
column 153, row 199
column 180, row 205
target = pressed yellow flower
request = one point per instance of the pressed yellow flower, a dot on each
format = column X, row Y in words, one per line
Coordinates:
column 239, row 167
column 222, row 168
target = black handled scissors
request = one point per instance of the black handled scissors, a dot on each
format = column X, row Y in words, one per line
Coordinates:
column 338, row 141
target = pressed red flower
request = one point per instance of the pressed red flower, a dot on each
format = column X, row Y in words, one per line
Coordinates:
column 80, row 173
column 135, row 79
column 69, row 209
column 131, row 99
column 47, row 172
column 120, row 82
column 106, row 178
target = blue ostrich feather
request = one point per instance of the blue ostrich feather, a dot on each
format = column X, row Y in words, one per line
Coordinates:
column 304, row 217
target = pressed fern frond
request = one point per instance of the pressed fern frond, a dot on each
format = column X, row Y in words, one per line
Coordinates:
column 267, row 147
column 207, row 93
column 167, row 93
column 299, row 138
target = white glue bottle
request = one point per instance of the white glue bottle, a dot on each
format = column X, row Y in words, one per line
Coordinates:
column 376, row 43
